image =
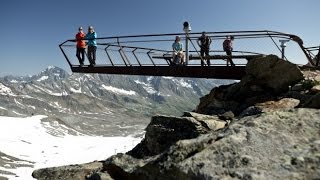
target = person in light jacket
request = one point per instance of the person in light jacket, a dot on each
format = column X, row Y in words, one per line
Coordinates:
column 178, row 55
column 92, row 45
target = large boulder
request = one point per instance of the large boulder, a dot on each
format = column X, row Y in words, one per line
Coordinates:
column 276, row 145
column 264, row 81
column 273, row 73
column 164, row 131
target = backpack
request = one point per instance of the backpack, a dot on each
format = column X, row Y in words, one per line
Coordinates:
column 226, row 45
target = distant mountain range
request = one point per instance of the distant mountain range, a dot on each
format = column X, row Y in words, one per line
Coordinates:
column 106, row 105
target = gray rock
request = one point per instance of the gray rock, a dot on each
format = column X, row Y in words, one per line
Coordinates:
column 72, row 172
column 250, row 111
column 315, row 89
column 164, row 131
column 313, row 102
column 269, row 73
column 275, row 145
column 212, row 122
column 285, row 103
column 264, row 81
column 297, row 87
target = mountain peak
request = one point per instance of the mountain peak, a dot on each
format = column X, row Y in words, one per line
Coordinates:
column 52, row 71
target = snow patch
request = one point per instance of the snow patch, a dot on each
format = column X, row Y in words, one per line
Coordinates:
column 75, row 90
column 182, row 83
column 118, row 90
column 28, row 139
column 64, row 93
column 150, row 78
column 43, row 78
column 3, row 108
column 147, row 87
column 50, row 67
column 4, row 90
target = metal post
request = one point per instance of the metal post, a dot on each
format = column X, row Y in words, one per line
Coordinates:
column 187, row 29
column 187, row 48
column 283, row 46
column 282, row 50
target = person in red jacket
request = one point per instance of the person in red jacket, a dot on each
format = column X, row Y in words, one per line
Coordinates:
column 81, row 45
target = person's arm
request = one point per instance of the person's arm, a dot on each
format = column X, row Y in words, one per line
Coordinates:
column 174, row 47
column 180, row 46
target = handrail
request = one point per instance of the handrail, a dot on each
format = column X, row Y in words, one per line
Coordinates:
column 121, row 43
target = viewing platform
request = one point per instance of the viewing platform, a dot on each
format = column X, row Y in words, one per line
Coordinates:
column 151, row 55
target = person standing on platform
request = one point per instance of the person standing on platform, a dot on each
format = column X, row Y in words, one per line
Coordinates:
column 228, row 47
column 81, row 45
column 92, row 45
column 204, row 43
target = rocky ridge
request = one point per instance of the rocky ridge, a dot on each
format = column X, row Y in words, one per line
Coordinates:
column 264, row 127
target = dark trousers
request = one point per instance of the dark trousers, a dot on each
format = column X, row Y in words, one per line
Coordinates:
column 205, row 51
column 80, row 55
column 229, row 59
column 92, row 54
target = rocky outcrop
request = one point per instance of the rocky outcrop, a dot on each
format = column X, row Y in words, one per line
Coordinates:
column 276, row 145
column 164, row 131
column 263, row 87
column 258, row 128
column 268, row 73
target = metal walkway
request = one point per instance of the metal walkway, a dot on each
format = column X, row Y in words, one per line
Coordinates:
column 151, row 54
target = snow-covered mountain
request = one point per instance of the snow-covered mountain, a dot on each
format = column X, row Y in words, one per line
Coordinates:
column 100, row 104
column 54, row 118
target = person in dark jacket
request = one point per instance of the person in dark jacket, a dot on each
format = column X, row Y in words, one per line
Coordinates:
column 228, row 47
column 92, row 45
column 204, row 42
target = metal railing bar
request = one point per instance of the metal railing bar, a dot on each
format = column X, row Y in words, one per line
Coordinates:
column 108, row 55
column 148, row 53
column 133, row 52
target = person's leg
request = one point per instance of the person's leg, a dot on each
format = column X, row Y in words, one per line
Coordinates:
column 229, row 53
column 82, row 56
column 183, row 61
column 202, row 56
column 94, row 55
column 230, row 58
column 78, row 55
column 90, row 54
column 207, row 56
column 173, row 62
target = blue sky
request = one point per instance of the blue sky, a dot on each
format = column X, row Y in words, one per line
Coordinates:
column 32, row 30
